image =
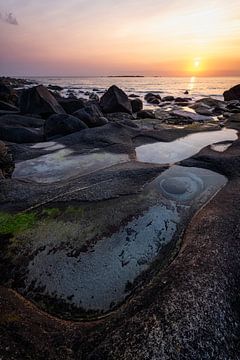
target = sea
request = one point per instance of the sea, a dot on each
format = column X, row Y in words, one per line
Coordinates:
column 196, row 86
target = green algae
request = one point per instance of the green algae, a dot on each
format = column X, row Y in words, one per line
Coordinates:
column 16, row 223
column 51, row 212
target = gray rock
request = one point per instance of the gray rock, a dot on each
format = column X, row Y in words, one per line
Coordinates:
column 62, row 124
column 115, row 100
column 8, row 107
column 21, row 121
column 39, row 100
column 144, row 114
column 91, row 115
column 232, row 94
column 137, row 105
column 168, row 98
column 71, row 104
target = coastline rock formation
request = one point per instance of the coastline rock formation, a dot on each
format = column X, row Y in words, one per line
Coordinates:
column 38, row 100
column 115, row 239
column 232, row 94
column 115, row 100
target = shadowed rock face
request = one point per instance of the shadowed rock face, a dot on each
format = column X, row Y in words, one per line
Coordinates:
column 38, row 100
column 115, row 100
column 232, row 94
column 62, row 124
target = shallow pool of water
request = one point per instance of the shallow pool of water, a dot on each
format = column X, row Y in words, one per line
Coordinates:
column 98, row 278
column 64, row 163
column 183, row 148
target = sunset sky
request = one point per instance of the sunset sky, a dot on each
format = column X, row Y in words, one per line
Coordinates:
column 106, row 37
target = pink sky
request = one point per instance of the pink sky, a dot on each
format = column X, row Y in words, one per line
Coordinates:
column 105, row 37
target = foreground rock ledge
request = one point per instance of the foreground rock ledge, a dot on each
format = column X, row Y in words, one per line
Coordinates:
column 189, row 311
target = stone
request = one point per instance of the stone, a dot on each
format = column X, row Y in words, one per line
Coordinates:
column 182, row 100
column 119, row 116
column 137, row 105
column 133, row 96
column 62, row 124
column 115, row 100
column 234, row 118
column 55, row 87
column 7, row 106
column 20, row 134
column 70, row 105
column 91, row 115
column 152, row 98
column 39, row 100
column 6, row 162
column 232, row 94
column 168, row 98
column 7, row 93
column 94, row 96
column 210, row 102
column 144, row 114
column 21, row 121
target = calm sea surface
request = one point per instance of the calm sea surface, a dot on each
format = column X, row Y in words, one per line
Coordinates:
column 198, row 87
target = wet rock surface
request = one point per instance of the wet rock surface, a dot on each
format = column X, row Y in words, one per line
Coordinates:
column 102, row 227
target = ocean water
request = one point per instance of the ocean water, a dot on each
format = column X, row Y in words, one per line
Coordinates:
column 197, row 86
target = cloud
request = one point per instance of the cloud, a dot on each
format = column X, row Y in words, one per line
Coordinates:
column 8, row 18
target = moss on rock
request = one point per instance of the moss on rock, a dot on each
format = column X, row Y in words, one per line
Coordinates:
column 15, row 223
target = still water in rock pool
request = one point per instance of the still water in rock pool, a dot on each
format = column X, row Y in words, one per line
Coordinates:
column 99, row 275
column 183, row 148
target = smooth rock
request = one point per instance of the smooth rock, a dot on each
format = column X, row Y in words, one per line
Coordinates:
column 7, row 106
column 91, row 115
column 62, row 124
column 137, row 105
column 72, row 104
column 39, row 100
column 115, row 100
column 20, row 134
column 144, row 114
column 21, row 121
column 168, row 98
column 232, row 94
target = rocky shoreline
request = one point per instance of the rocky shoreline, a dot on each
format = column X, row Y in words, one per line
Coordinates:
column 107, row 253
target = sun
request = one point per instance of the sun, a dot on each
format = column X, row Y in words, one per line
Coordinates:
column 195, row 66
column 197, row 63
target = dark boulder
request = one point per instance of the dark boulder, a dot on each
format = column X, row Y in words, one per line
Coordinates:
column 152, row 98
column 182, row 100
column 62, row 124
column 7, row 93
column 133, row 96
column 137, row 105
column 115, row 100
column 20, row 134
column 232, row 94
column 55, row 87
column 234, row 118
column 70, row 105
column 6, row 162
column 7, row 106
column 94, row 96
column 21, row 121
column 168, row 98
column 146, row 114
column 39, row 100
column 91, row 115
